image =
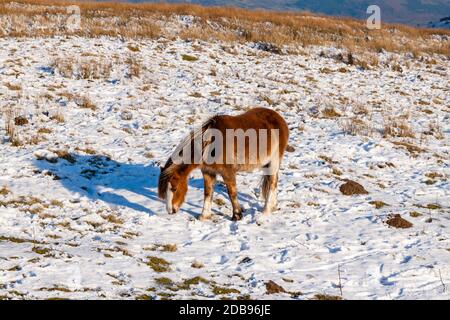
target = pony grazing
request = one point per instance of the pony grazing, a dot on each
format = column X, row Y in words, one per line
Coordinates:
column 225, row 145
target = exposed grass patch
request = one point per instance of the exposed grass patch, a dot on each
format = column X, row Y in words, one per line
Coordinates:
column 408, row 146
column 112, row 219
column 133, row 48
column 19, row 240
column 158, row 264
column 85, row 102
column 4, row 191
column 65, row 155
column 183, row 285
column 169, row 247
column 56, row 288
column 219, row 201
column 189, row 58
column 336, row 171
column 44, row 130
column 41, row 250
column 143, row 297
column 415, row 214
column 397, row 127
column 430, row 206
column 196, row 95
column 197, row 265
column 13, row 87
column 224, row 291
column 378, row 204
column 164, row 281
column 330, row 113
column 326, row 297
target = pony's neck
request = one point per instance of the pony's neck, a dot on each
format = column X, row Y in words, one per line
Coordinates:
column 186, row 169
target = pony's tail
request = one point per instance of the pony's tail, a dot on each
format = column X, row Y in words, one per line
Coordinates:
column 265, row 186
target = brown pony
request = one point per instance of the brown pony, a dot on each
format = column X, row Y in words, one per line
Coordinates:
column 256, row 139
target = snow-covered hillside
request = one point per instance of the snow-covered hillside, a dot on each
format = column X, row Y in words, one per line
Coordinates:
column 94, row 119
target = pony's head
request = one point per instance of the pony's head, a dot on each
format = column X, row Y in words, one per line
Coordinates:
column 173, row 180
column 172, row 186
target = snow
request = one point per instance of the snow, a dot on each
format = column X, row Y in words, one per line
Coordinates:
column 86, row 230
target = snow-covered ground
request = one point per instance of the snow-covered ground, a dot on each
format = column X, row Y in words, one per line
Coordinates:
column 79, row 213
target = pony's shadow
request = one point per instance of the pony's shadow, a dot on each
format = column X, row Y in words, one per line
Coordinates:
column 98, row 177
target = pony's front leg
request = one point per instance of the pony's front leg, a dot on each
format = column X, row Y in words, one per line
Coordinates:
column 270, row 193
column 209, row 180
column 230, row 181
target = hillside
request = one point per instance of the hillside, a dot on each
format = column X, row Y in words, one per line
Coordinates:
column 26, row 18
column 88, row 117
column 412, row 12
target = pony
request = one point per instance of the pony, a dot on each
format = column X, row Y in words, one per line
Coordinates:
column 256, row 139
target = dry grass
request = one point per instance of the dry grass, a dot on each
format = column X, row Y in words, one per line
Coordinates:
column 397, row 127
column 435, row 129
column 44, row 130
column 189, row 58
column 58, row 116
column 378, row 204
column 65, row 155
column 83, row 68
column 134, row 67
column 326, row 297
column 158, row 264
column 85, row 102
column 330, row 113
column 356, row 126
column 413, row 149
column 10, row 127
column 13, row 87
column 4, row 191
column 37, row 18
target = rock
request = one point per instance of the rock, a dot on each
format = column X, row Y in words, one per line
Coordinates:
column 398, row 222
column 351, row 188
column 290, row 148
column 272, row 288
column 20, row 121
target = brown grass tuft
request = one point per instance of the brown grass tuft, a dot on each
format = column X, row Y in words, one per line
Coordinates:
column 330, row 113
column 326, row 297
column 397, row 127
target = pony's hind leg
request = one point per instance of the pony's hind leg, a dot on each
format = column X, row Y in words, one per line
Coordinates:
column 209, row 180
column 269, row 192
column 230, row 181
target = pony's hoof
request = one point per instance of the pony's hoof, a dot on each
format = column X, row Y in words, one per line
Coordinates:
column 204, row 218
column 237, row 216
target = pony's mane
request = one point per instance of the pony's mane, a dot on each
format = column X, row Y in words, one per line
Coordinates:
column 170, row 168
